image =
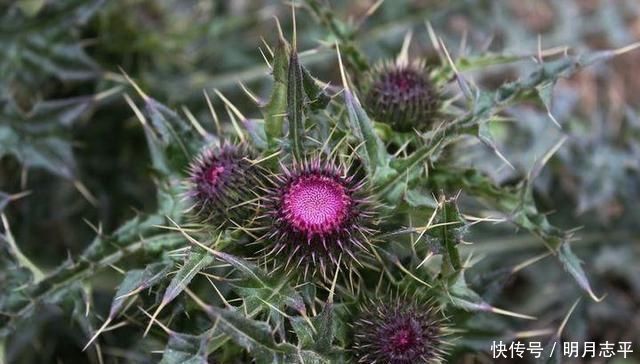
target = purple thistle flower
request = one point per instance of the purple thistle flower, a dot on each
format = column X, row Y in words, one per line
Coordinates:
column 400, row 331
column 318, row 215
column 220, row 182
column 402, row 95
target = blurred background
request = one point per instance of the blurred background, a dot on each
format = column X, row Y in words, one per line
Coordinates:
column 73, row 154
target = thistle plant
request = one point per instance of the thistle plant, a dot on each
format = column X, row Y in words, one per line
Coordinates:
column 280, row 227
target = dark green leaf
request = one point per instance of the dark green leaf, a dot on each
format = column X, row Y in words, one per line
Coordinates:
column 573, row 265
column 185, row 349
column 259, row 288
column 136, row 281
column 254, row 336
column 179, row 141
column 318, row 98
column 195, row 262
column 376, row 159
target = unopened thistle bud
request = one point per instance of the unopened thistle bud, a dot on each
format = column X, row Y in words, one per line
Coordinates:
column 402, row 95
column 220, row 184
column 398, row 331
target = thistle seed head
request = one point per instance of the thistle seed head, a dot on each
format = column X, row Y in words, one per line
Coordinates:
column 220, row 182
column 401, row 95
column 318, row 215
column 400, row 331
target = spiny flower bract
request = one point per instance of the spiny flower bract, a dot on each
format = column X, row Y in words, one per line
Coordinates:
column 318, row 215
column 398, row 331
column 220, row 183
column 402, row 95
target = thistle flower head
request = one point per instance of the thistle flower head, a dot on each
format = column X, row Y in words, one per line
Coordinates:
column 401, row 95
column 220, row 181
column 318, row 214
column 400, row 331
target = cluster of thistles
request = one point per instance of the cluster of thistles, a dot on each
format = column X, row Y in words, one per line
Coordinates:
column 315, row 214
column 318, row 217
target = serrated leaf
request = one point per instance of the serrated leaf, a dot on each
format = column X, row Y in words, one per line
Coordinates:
column 41, row 137
column 136, row 281
column 34, row 49
column 458, row 293
column 185, row 349
column 50, row 152
column 376, row 159
column 295, row 105
column 321, row 339
column 573, row 265
column 254, row 336
column 180, row 142
column 318, row 98
column 462, row 296
column 446, row 233
column 259, row 285
column 256, row 131
column 195, row 262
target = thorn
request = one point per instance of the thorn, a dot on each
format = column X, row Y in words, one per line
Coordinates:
column 265, row 59
column 626, row 49
column 216, row 121
column 22, row 259
column 280, row 33
column 372, row 9
column 140, row 116
column 266, row 45
column 342, row 73
column 429, row 255
column 294, row 40
column 153, row 319
column 434, row 40
column 504, row 159
column 461, row 81
column 532, row 333
column 500, row 311
column 335, row 280
column 192, row 119
column 251, row 95
column 95, row 336
column 566, row 318
column 403, row 56
column 135, row 85
column 19, row 195
column 540, row 60
column 529, row 262
column 535, row 171
column 235, row 124
column 197, row 300
column 106, row 93
column 84, row 191
column 407, row 272
column 230, row 105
